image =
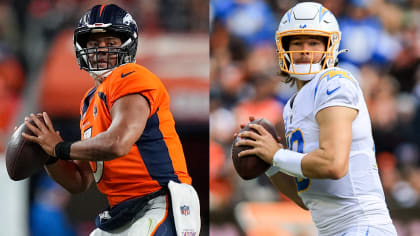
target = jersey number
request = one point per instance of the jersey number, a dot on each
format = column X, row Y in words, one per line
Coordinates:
column 296, row 142
column 97, row 174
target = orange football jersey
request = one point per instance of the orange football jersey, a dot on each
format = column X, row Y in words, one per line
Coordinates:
column 156, row 157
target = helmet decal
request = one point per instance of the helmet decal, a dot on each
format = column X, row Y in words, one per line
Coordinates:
column 289, row 14
column 128, row 19
column 322, row 13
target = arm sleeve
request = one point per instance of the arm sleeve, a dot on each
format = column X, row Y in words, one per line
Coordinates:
column 337, row 91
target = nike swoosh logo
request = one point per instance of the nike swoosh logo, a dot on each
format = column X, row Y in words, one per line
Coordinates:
column 329, row 92
column 124, row 75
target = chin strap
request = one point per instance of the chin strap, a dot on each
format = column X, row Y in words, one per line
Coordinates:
column 100, row 74
column 304, row 70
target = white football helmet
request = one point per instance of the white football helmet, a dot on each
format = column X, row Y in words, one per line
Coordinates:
column 308, row 18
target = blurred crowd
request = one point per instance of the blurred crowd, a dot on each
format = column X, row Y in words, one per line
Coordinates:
column 29, row 29
column 384, row 41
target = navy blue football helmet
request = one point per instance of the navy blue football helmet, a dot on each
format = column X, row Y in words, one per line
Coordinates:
column 106, row 19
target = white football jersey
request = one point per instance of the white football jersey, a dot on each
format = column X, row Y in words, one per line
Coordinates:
column 357, row 198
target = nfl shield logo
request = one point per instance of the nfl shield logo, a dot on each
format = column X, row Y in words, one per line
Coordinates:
column 185, row 210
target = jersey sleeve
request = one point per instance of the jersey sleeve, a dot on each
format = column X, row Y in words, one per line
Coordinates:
column 143, row 83
column 336, row 88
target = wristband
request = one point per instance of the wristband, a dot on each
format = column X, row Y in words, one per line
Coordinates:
column 289, row 162
column 62, row 150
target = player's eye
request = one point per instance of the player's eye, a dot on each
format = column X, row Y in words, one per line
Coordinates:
column 112, row 43
column 296, row 43
column 314, row 43
column 92, row 44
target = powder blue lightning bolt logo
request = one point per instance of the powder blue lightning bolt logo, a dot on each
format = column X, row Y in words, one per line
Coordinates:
column 331, row 74
column 289, row 14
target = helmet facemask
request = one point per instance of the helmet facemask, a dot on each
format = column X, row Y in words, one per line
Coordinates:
column 111, row 56
column 306, row 71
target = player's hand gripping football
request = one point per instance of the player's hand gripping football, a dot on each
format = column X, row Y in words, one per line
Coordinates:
column 45, row 135
column 263, row 143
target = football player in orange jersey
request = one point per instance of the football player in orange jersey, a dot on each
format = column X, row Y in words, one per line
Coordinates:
column 129, row 144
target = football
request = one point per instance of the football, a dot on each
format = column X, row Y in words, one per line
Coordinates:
column 251, row 166
column 24, row 158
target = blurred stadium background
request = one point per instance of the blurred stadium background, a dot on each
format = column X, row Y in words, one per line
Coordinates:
column 384, row 41
column 38, row 72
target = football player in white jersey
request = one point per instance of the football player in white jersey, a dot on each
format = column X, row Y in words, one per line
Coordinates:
column 331, row 167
